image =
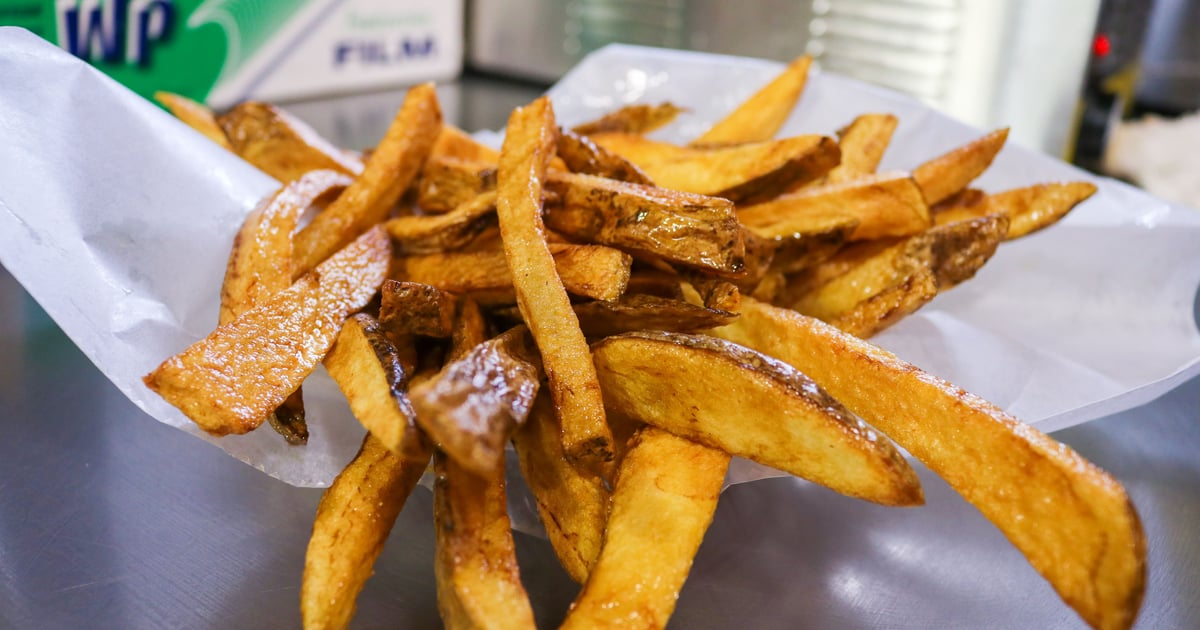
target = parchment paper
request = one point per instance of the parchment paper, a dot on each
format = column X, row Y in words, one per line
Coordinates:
column 118, row 220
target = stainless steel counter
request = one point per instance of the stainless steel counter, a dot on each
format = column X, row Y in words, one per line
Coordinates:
column 109, row 519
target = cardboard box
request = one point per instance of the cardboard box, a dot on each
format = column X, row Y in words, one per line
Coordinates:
column 225, row 51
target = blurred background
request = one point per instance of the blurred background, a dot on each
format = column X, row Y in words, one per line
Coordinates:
column 1110, row 85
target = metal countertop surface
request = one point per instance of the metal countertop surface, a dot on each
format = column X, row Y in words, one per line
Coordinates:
column 109, row 519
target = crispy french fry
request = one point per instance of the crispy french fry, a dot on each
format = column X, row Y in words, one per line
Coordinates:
column 368, row 369
column 889, row 306
column 961, row 248
column 714, row 293
column 392, row 167
column 803, row 242
column 472, row 406
column 967, row 203
column 453, row 142
column 744, row 174
column 869, row 276
column 591, row 271
column 448, row 182
column 889, row 204
column 949, row 173
column 528, row 145
column 863, row 143
column 581, row 155
column 1073, row 522
column 423, row 234
column 195, row 115
column 411, row 308
column 572, row 504
column 1028, row 209
column 636, row 118
column 665, row 497
column 284, row 337
column 353, row 520
column 760, row 117
column 730, row 397
column 280, row 145
column 676, row 227
column 647, row 312
column 475, row 560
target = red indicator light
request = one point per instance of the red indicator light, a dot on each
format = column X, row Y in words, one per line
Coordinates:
column 1101, row 46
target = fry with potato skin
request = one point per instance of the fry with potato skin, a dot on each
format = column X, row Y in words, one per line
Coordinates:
column 392, row 167
column 636, row 118
column 888, row 204
column 761, row 116
column 865, row 277
column 424, row 234
column 581, row 155
column 195, row 115
column 664, row 500
column 353, row 521
column 448, row 182
column 863, row 143
column 281, row 145
column 726, row 396
column 953, row 171
column 1028, row 209
column 283, row 339
column 528, row 146
column 889, row 306
column 1071, row 520
column 411, row 308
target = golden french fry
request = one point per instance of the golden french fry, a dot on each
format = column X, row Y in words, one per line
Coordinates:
column 802, row 242
column 950, row 173
column 528, row 145
column 637, row 118
column 572, row 504
column 392, row 167
column 714, row 293
column 888, row 204
column 967, row 203
column 279, row 144
column 475, row 560
column 581, row 155
column 730, row 397
column 761, row 116
column 284, row 337
column 665, row 496
column 195, row 115
column 961, row 248
column 423, row 234
column 647, row 312
column 411, row 308
column 865, row 278
column 368, row 369
column 676, row 227
column 1073, row 522
column 353, row 520
column 889, row 306
column 448, row 182
column 744, row 174
column 472, row 406
column 863, row 143
column 453, row 142
column 1036, row 207
column 591, row 271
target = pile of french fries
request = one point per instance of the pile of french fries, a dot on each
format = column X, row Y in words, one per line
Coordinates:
column 628, row 315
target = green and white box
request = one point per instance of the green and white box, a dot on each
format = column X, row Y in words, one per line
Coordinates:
column 225, row 51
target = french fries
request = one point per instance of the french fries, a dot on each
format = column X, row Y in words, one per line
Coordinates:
column 640, row 354
column 195, row 115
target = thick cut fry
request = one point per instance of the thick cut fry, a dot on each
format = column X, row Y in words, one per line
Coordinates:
column 1073, row 522
column 280, row 145
column 279, row 341
column 423, row 234
column 961, row 248
column 591, row 271
column 688, row 229
column 715, row 293
column 528, row 145
column 637, row 118
column 812, row 240
column 888, row 204
column 411, row 308
column 475, row 561
column 730, row 397
column 581, row 155
column 761, row 116
column 744, row 174
column 453, row 142
column 870, row 276
column 889, row 306
column 862, row 142
column 260, row 266
column 353, row 520
column 572, row 504
column 647, row 312
column 368, row 369
column 947, row 174
column 799, row 227
column 472, row 406
column 392, row 167
column 664, row 500
column 965, row 204
column 1028, row 209
column 448, row 182
column 195, row 115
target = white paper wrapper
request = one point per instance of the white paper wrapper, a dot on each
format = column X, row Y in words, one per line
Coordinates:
column 118, row 220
